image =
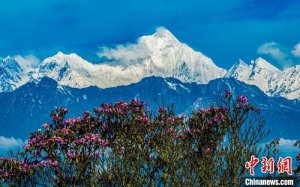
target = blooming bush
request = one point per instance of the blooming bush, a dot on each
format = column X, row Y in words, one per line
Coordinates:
column 124, row 144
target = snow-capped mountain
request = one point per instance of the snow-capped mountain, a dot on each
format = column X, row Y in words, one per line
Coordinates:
column 269, row 79
column 160, row 54
column 287, row 83
column 15, row 72
column 258, row 73
column 70, row 70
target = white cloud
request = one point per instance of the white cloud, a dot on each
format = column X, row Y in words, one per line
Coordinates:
column 123, row 52
column 27, row 61
column 277, row 52
column 10, row 143
column 129, row 53
column 272, row 49
column 296, row 50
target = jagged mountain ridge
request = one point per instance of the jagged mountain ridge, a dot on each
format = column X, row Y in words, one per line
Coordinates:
column 269, row 79
column 160, row 54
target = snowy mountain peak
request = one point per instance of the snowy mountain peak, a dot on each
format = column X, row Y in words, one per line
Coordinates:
column 262, row 63
column 66, row 62
column 240, row 70
column 60, row 53
column 61, row 57
column 286, row 83
column 160, row 40
column 258, row 67
column 6, row 59
column 268, row 78
column 68, row 69
column 13, row 73
column 258, row 73
column 10, row 63
column 163, row 34
column 160, row 54
column 241, row 62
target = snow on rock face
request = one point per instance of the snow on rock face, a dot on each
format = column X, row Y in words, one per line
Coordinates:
column 268, row 78
column 69, row 70
column 14, row 72
column 160, row 54
column 287, row 83
column 258, row 73
column 170, row 58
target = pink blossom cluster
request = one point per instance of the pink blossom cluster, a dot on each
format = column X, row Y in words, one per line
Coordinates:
column 171, row 119
column 208, row 151
column 56, row 117
column 189, row 131
column 63, row 110
column 46, row 126
column 171, row 130
column 213, row 115
column 228, row 93
column 216, row 118
column 66, row 131
column 58, row 140
column 92, row 138
column 48, row 163
column 22, row 166
column 104, row 110
column 120, row 107
column 37, row 141
column 72, row 121
column 213, row 110
column 134, row 102
column 71, row 155
column 41, row 141
column 144, row 119
column 243, row 101
column 162, row 110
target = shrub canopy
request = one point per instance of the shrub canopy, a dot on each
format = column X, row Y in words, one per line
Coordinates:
column 125, row 144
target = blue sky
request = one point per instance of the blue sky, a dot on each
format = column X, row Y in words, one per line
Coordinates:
column 223, row 30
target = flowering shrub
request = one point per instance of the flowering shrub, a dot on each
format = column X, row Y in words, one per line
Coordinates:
column 124, row 144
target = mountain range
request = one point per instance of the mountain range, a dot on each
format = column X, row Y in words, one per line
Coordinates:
column 159, row 54
column 29, row 106
column 158, row 67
